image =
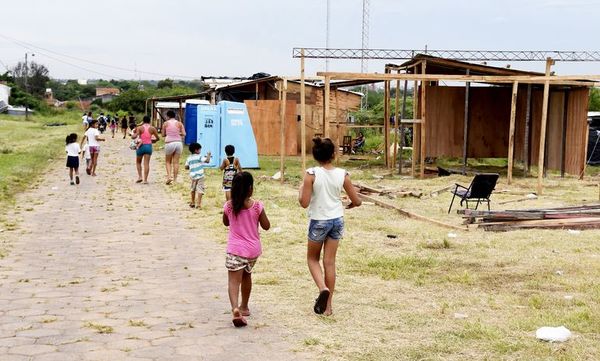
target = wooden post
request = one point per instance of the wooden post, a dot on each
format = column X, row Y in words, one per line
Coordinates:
column 423, row 121
column 256, row 94
column 402, row 126
column 415, row 128
column 282, row 129
column 302, row 112
column 549, row 63
column 563, row 147
column 386, row 120
column 466, row 126
column 337, row 127
column 511, row 131
column 326, row 108
column 396, row 124
column 527, row 137
column 180, row 112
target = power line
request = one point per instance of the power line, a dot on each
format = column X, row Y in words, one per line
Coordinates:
column 25, row 44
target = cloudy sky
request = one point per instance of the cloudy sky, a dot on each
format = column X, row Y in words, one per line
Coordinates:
column 190, row 38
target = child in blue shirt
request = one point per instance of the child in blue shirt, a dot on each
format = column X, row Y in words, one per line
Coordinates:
column 196, row 163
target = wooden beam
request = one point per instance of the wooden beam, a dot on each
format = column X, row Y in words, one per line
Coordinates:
column 282, row 129
column 423, row 125
column 337, row 128
column 511, row 131
column 302, row 112
column 527, row 137
column 466, row 127
column 582, row 80
column 326, row 107
column 400, row 161
column 256, row 94
column 549, row 63
column 180, row 112
column 563, row 147
column 386, row 121
column 408, row 214
column 415, row 130
column 396, row 124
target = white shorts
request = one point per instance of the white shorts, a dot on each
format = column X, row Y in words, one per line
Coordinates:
column 173, row 148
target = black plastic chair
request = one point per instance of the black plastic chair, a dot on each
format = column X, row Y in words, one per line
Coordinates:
column 480, row 190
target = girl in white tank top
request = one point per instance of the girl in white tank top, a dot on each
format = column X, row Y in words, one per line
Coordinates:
column 320, row 192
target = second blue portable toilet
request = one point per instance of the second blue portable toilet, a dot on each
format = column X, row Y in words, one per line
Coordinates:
column 236, row 130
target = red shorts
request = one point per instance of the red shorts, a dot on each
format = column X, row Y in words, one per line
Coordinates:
column 94, row 149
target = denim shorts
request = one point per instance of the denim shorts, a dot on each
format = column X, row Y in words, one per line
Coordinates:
column 320, row 230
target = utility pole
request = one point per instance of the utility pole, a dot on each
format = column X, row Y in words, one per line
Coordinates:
column 327, row 29
column 27, row 87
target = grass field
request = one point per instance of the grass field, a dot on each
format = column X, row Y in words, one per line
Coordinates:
column 428, row 294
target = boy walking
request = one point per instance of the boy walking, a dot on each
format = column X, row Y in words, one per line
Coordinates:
column 196, row 163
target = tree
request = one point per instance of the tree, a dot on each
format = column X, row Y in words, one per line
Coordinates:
column 167, row 83
column 37, row 77
column 594, row 103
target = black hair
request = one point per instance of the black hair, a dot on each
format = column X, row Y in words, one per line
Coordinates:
column 93, row 122
column 323, row 150
column 229, row 150
column 171, row 114
column 146, row 119
column 193, row 147
column 241, row 188
column 71, row 138
column 89, row 113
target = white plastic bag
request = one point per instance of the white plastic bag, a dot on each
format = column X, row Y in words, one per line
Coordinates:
column 553, row 334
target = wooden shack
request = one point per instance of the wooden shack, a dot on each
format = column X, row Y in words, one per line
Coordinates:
column 475, row 123
column 263, row 99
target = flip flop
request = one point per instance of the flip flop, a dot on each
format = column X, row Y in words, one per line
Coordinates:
column 139, row 181
column 88, row 171
column 321, row 302
column 238, row 320
column 192, row 205
column 169, row 181
column 245, row 313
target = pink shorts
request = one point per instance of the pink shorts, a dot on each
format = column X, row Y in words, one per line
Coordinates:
column 94, row 149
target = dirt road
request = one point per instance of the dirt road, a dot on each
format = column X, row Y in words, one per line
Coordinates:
column 112, row 270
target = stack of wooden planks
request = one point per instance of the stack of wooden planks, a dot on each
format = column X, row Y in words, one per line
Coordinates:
column 577, row 217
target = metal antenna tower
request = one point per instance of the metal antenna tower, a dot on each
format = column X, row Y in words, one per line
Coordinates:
column 364, row 65
column 327, row 26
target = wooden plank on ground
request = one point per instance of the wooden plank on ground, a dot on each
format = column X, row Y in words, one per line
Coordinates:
column 410, row 214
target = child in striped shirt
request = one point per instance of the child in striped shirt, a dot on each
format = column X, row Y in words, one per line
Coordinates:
column 196, row 163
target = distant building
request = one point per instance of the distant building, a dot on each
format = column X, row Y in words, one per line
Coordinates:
column 82, row 81
column 4, row 93
column 103, row 91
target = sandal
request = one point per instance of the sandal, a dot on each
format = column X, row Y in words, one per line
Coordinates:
column 139, row 181
column 245, row 313
column 169, row 181
column 76, row 179
column 321, row 302
column 192, row 205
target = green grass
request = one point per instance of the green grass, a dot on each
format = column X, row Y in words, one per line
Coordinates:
column 27, row 148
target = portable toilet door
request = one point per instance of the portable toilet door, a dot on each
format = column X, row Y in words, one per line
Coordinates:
column 191, row 119
column 209, row 131
column 236, row 130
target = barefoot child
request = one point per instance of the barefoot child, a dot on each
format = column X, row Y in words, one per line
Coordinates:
column 85, row 154
column 73, row 149
column 196, row 163
column 93, row 137
column 242, row 215
column 230, row 166
column 320, row 192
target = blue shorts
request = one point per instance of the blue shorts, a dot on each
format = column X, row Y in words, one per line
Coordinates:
column 144, row 149
column 320, row 230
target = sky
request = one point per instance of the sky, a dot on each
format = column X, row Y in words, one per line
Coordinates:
column 155, row 39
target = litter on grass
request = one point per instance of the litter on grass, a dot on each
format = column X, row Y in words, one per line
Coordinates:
column 460, row 315
column 553, row 334
column 452, row 235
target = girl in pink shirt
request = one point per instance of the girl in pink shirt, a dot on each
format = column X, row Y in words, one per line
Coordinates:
column 242, row 215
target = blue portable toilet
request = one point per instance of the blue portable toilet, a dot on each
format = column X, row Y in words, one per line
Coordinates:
column 236, row 130
column 202, row 125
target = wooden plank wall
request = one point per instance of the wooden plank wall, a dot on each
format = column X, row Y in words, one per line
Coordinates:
column 489, row 121
column 264, row 116
column 577, row 127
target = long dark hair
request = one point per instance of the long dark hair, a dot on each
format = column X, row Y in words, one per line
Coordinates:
column 71, row 138
column 323, row 150
column 241, row 189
